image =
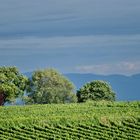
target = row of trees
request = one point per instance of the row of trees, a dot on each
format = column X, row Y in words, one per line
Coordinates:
column 48, row 86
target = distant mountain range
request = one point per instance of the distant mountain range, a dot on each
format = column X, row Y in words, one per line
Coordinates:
column 126, row 87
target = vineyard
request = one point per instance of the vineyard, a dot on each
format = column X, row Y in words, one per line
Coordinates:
column 92, row 120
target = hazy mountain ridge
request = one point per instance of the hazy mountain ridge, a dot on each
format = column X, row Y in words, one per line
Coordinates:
column 126, row 87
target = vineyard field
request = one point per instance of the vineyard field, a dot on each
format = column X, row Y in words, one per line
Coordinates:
column 92, row 120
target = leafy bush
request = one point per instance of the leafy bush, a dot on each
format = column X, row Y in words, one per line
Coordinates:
column 12, row 84
column 48, row 86
column 96, row 90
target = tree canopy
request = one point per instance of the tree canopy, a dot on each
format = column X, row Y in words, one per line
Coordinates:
column 49, row 86
column 96, row 90
column 12, row 84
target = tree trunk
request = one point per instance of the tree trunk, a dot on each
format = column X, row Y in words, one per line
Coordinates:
column 2, row 98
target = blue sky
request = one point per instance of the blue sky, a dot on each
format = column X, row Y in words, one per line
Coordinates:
column 82, row 36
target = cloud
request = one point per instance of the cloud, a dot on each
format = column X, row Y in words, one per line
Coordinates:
column 83, row 32
column 81, row 51
column 75, row 17
column 94, row 41
column 126, row 68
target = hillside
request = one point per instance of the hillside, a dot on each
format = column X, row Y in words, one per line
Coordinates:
column 93, row 120
column 126, row 87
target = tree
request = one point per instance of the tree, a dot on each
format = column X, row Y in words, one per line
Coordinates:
column 96, row 90
column 48, row 86
column 12, row 84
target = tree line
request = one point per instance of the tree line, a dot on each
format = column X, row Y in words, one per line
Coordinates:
column 48, row 86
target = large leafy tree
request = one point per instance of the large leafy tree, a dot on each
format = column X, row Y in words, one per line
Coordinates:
column 12, row 84
column 96, row 90
column 49, row 86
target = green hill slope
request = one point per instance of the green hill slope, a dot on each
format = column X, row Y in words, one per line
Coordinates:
column 102, row 120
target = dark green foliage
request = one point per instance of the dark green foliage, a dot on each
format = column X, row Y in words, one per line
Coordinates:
column 96, row 90
column 48, row 86
column 12, row 84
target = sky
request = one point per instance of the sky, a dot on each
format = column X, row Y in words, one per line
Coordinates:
column 72, row 36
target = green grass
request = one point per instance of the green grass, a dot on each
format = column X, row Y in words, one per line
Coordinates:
column 92, row 120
